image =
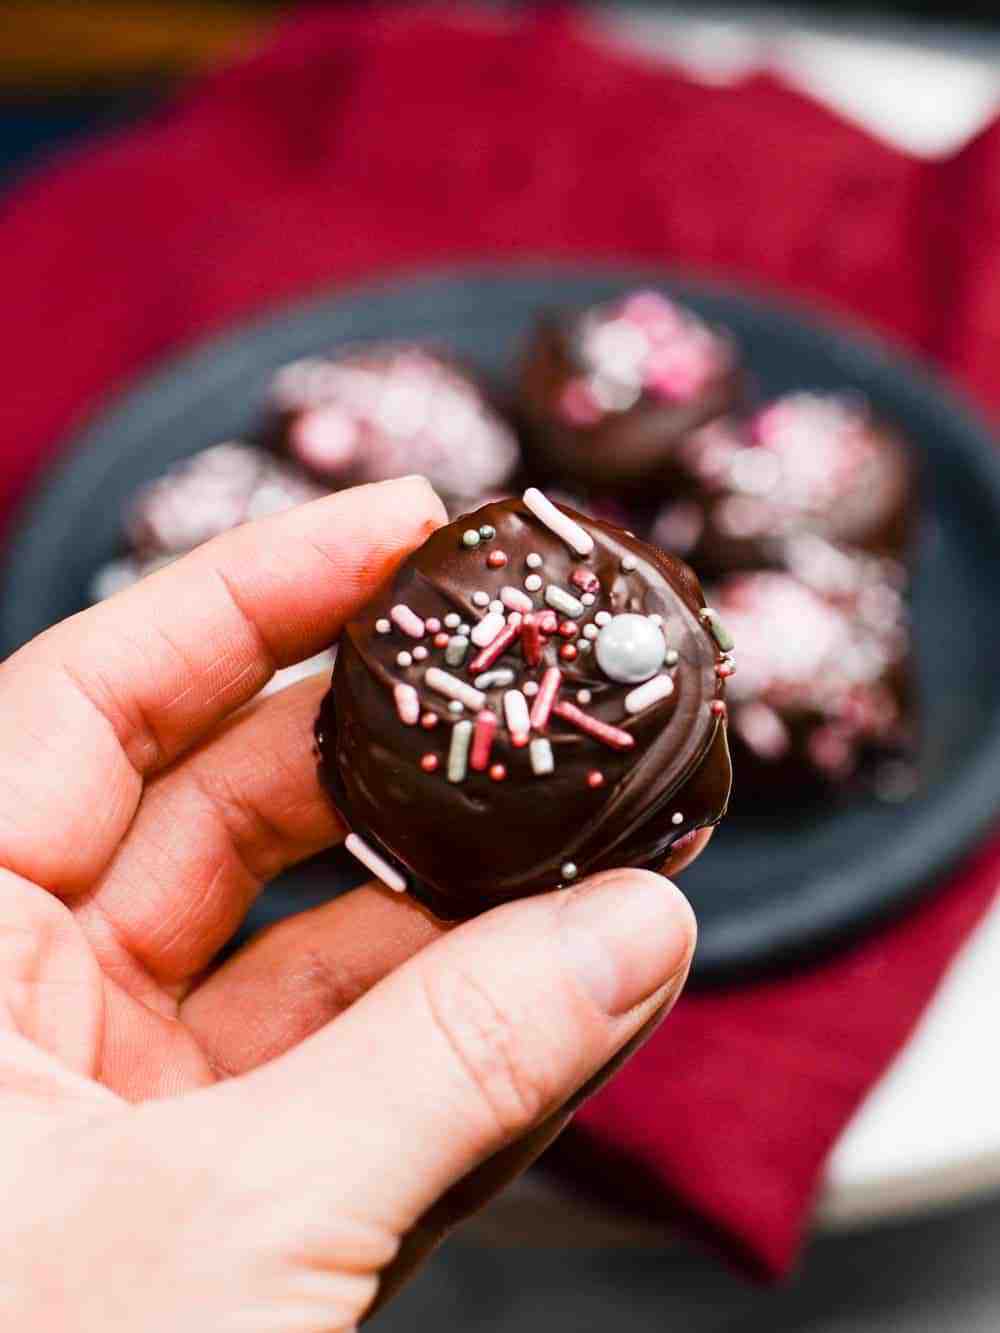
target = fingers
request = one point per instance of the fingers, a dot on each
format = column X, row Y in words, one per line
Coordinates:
column 119, row 691
column 462, row 1050
column 208, row 833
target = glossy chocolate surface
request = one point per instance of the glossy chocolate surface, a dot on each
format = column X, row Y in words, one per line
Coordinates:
column 465, row 845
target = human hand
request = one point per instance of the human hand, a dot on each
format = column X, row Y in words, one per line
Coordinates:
column 256, row 1144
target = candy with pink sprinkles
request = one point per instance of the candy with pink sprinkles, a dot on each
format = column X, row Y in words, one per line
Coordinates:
column 482, row 740
column 408, row 621
column 407, row 704
column 545, row 698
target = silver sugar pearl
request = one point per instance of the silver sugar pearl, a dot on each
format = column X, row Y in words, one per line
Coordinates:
column 629, row 649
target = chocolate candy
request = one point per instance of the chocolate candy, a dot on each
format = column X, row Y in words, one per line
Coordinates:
column 607, row 395
column 808, row 463
column 373, row 413
column 582, row 726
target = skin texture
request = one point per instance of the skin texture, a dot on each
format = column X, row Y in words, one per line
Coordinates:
column 190, row 1145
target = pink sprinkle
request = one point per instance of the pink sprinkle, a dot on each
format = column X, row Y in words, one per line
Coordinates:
column 679, row 371
column 717, row 708
column 595, row 778
column 515, row 600
column 403, row 618
column 545, row 698
column 577, row 404
column 498, row 772
column 488, row 655
column 482, row 740
column 429, row 763
column 407, row 704
column 585, row 579
column 592, row 726
column 432, row 624
column 429, row 721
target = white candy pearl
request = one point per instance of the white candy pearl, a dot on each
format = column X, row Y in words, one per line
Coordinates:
column 630, row 649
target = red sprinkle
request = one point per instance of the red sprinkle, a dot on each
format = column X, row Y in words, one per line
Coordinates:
column 724, row 670
column 429, row 721
column 482, row 739
column 545, row 698
column 718, row 707
column 441, row 640
column 498, row 772
column 595, row 778
column 568, row 630
column 496, row 559
column 592, row 726
column 585, row 579
column 567, row 652
column 429, row 763
column 488, row 655
column 531, row 640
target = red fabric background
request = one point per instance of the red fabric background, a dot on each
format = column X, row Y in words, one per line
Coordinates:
column 361, row 142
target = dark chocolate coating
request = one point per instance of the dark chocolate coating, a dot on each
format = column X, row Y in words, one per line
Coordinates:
column 624, row 449
column 466, row 846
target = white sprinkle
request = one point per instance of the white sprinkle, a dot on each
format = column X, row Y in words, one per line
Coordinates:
column 590, row 631
column 530, row 688
column 497, row 606
column 533, row 582
column 419, row 653
column 515, row 711
column 487, row 629
column 533, row 560
column 452, row 620
column 515, row 600
column 560, row 600
column 575, row 537
column 382, row 626
column 540, row 753
column 499, row 677
column 660, row 687
column 628, row 563
column 587, row 598
column 672, row 657
column 452, row 688
column 657, row 620
column 480, row 598
column 407, row 621
column 458, row 751
column 602, row 618
column 378, row 865
column 568, row 870
column 454, row 653
column 455, row 707
column 583, row 696
column 404, row 659
column 584, row 645
column 463, row 629
column 407, row 704
column 677, row 817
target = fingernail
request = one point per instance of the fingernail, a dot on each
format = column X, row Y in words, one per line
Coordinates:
column 626, row 934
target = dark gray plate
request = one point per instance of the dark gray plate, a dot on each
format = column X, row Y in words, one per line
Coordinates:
column 771, row 888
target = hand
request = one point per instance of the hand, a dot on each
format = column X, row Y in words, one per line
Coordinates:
column 252, row 1145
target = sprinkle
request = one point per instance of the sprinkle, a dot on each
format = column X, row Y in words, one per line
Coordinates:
column 595, row 778
column 672, row 657
column 718, row 707
column 432, row 625
column 498, row 679
column 470, row 537
column 429, row 721
column 567, row 630
column 585, row 579
column 515, row 711
column 497, row 772
column 464, row 629
column 546, row 698
column 515, row 600
column 725, row 669
column 628, row 563
column 498, row 645
column 404, row 659
column 533, row 583
column 533, row 560
column 587, row 598
column 453, row 688
column 602, row 618
column 497, row 607
column 584, row 646
column 458, row 751
column 592, row 726
column 429, row 762
column 409, row 623
column 378, row 865
column 487, row 532
column 677, row 817
column 487, row 629
column 562, row 601
column 419, row 653
column 713, row 623
column 407, row 704
column 480, row 598
column 548, row 622
column 453, row 620
column 542, row 761
column 441, row 640
column 482, row 740
column 568, row 652
column 496, row 559
column 575, row 537
column 382, row 626
column 568, row 870
column 583, row 696
column 529, row 689
column 454, row 706
column 590, row 631
column 660, row 687
column 458, row 646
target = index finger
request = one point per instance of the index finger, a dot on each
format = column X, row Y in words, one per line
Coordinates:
column 101, row 700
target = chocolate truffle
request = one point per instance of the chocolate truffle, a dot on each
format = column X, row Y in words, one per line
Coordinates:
column 821, row 685
column 606, row 395
column 808, row 463
column 370, row 414
column 537, row 696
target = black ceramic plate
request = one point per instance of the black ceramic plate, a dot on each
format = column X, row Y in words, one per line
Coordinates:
column 770, row 888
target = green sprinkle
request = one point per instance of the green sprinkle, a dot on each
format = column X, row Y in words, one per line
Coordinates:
column 711, row 620
column 470, row 537
column 487, row 532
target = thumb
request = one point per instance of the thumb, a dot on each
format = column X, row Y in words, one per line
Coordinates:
column 462, row 1050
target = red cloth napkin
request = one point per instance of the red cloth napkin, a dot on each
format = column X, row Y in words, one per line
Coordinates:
column 360, row 142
